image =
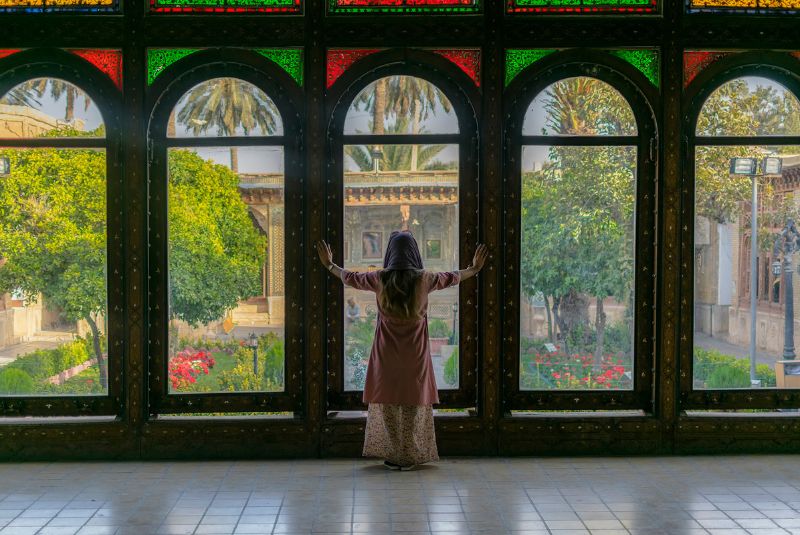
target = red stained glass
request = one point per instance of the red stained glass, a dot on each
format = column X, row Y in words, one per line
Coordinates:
column 8, row 51
column 695, row 61
column 340, row 59
column 108, row 61
column 468, row 60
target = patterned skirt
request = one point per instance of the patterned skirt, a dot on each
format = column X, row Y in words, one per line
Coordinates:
column 400, row 434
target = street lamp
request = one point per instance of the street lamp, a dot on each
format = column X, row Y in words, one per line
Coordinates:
column 787, row 242
column 455, row 320
column 253, row 343
column 749, row 167
column 377, row 156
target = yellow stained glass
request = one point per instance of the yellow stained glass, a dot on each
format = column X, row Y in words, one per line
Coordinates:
column 34, row 6
column 764, row 6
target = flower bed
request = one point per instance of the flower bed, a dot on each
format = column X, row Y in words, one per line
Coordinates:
column 559, row 370
column 187, row 365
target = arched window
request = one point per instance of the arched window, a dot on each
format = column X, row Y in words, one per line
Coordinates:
column 403, row 167
column 743, row 288
column 584, row 210
column 219, row 160
column 55, row 178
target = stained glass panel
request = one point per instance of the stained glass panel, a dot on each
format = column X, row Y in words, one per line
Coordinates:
column 744, row 6
column 159, row 59
column 646, row 61
column 404, row 6
column 582, row 6
column 694, row 61
column 108, row 61
column 340, row 59
column 468, row 60
column 519, row 60
column 47, row 6
column 288, row 59
column 8, row 51
column 226, row 6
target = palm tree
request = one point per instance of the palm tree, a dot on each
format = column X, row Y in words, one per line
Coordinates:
column 404, row 98
column 57, row 89
column 227, row 104
column 28, row 93
column 397, row 157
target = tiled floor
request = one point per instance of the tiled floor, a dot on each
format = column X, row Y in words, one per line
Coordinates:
column 677, row 495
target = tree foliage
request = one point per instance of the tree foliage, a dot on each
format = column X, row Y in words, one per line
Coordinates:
column 215, row 252
column 578, row 209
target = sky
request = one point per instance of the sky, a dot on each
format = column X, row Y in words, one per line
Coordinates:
column 270, row 159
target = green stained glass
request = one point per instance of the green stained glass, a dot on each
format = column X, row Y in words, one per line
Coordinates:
column 518, row 60
column 159, row 59
column 646, row 61
column 289, row 59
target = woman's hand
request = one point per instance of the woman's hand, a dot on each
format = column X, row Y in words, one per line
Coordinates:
column 479, row 259
column 325, row 254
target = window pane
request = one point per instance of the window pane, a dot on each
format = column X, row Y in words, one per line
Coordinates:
column 580, row 106
column 224, row 107
column 401, row 187
column 226, row 269
column 577, row 272
column 750, row 106
column 723, row 268
column 49, row 107
column 53, row 297
column 401, row 105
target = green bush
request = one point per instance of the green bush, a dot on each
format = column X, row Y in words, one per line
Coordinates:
column 714, row 369
column 271, row 367
column 15, row 381
column 43, row 363
column 439, row 329
column 728, row 377
column 451, row 368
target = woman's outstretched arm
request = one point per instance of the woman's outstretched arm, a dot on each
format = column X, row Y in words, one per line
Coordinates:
column 478, row 260
column 326, row 257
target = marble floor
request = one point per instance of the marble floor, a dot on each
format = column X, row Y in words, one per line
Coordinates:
column 519, row 496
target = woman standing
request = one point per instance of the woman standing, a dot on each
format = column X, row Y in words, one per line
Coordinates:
column 400, row 386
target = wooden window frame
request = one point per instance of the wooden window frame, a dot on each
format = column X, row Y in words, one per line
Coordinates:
column 780, row 70
column 463, row 96
column 640, row 95
column 59, row 64
column 164, row 95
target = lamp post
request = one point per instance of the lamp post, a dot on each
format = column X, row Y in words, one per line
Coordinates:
column 749, row 167
column 787, row 242
column 455, row 320
column 253, row 343
column 377, row 156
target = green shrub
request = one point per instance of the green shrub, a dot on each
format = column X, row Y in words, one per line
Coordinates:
column 451, row 368
column 43, row 363
column 439, row 329
column 728, row 377
column 714, row 369
column 15, row 381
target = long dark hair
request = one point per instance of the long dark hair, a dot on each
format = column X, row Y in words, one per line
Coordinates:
column 399, row 294
column 402, row 268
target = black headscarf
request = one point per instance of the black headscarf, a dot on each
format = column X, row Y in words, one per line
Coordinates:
column 402, row 252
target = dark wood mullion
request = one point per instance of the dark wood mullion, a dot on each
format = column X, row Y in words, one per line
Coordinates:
column 402, row 139
column 579, row 141
column 742, row 140
column 233, row 141
column 56, row 143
